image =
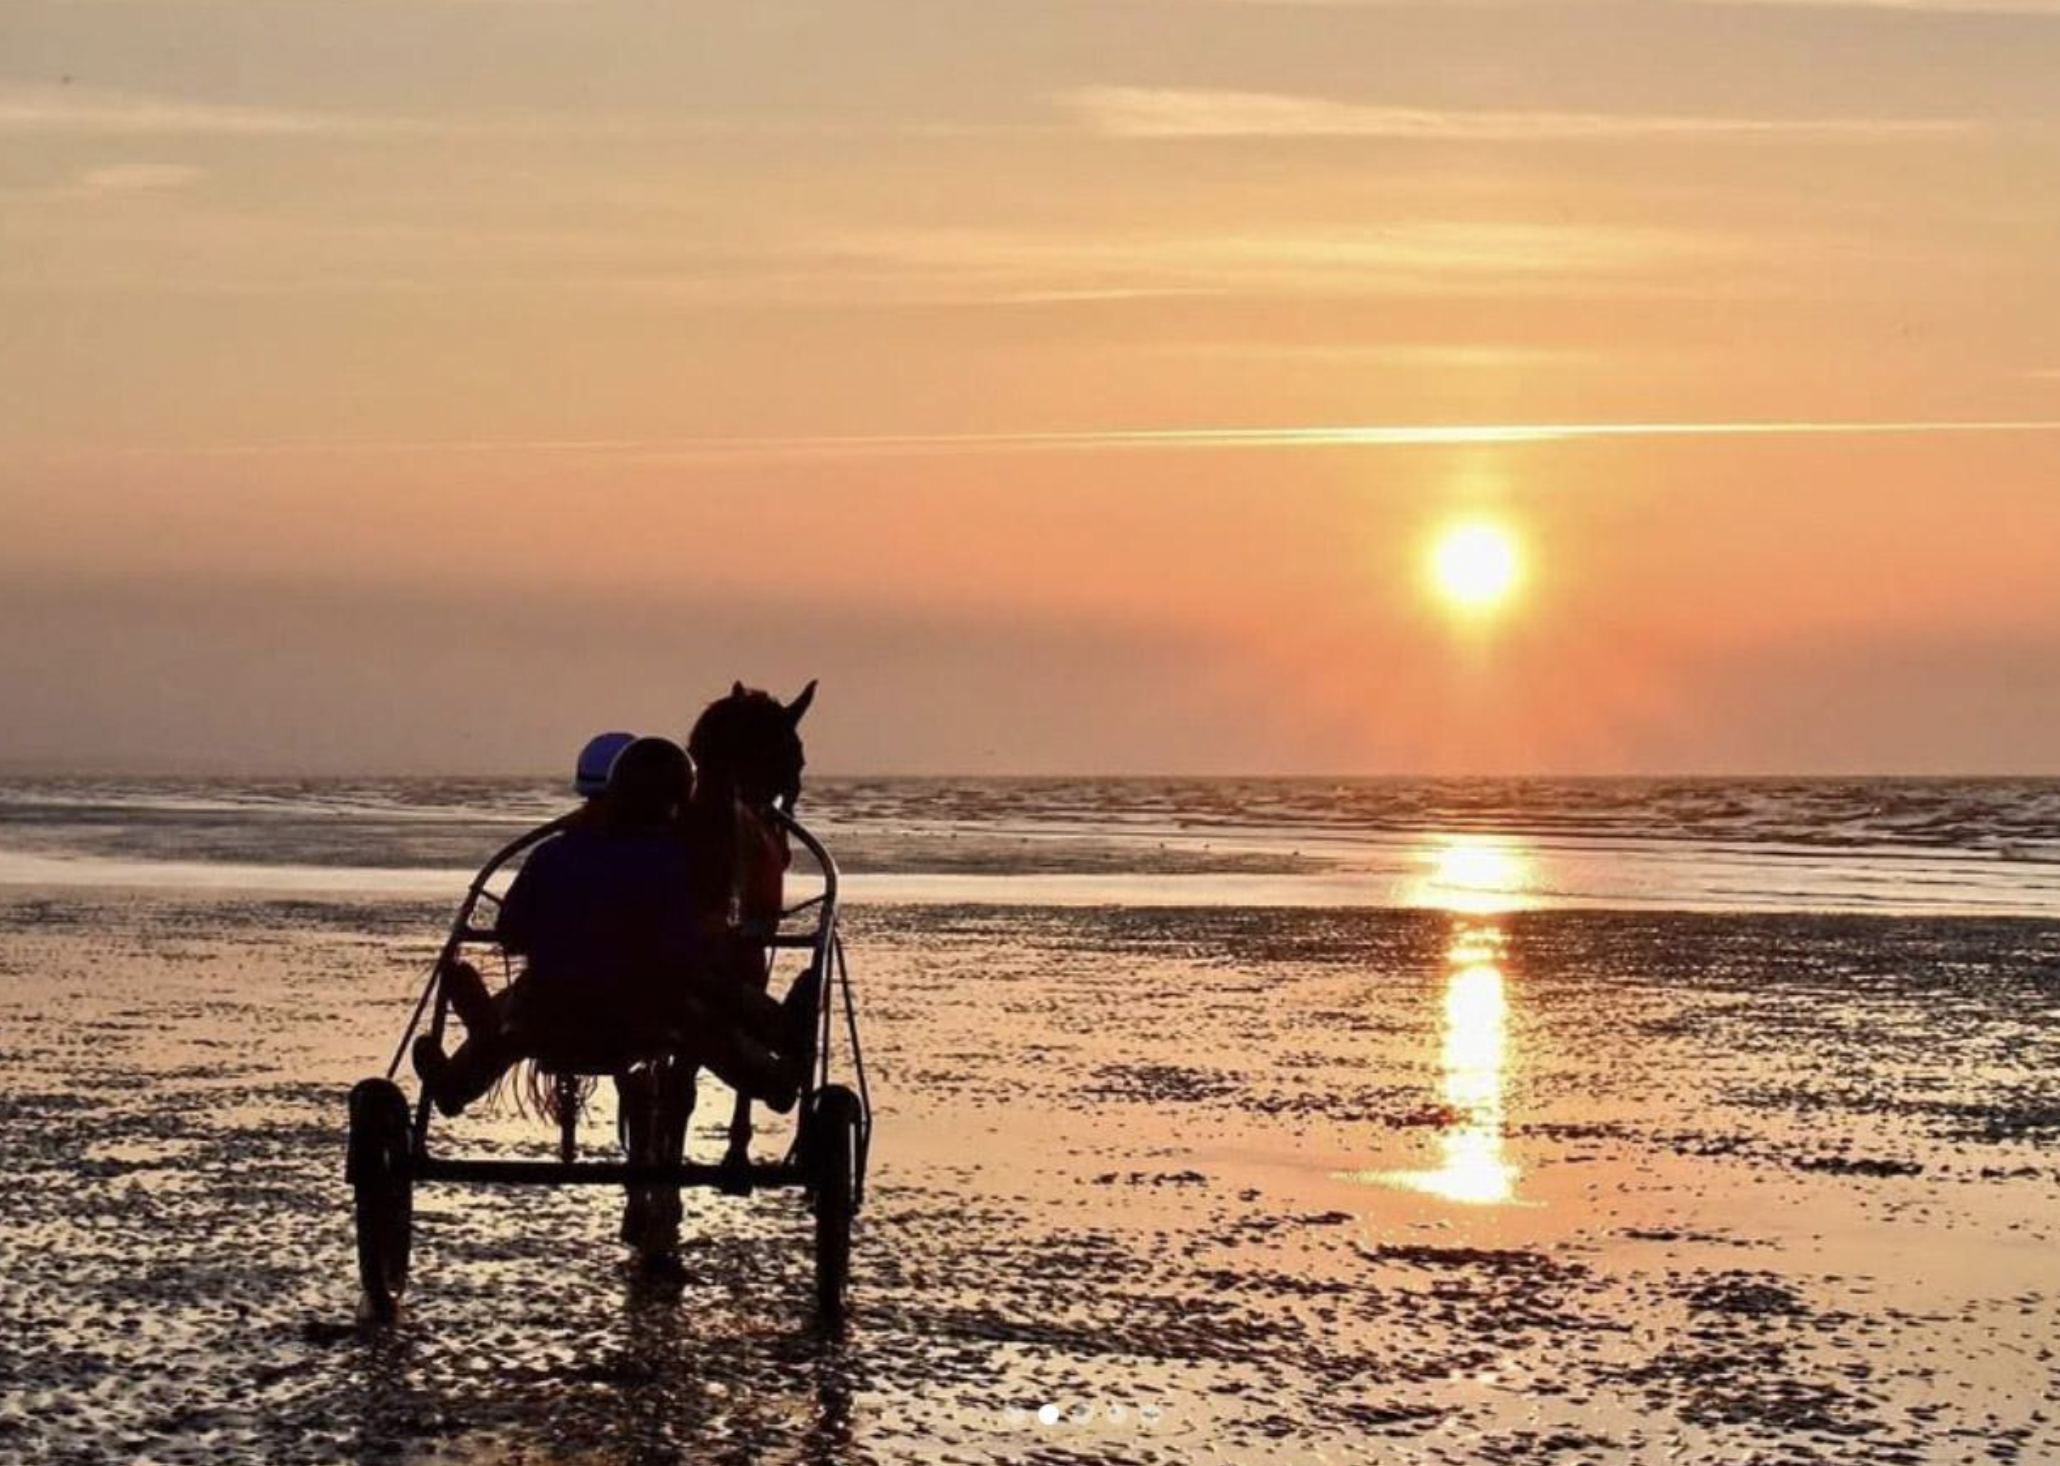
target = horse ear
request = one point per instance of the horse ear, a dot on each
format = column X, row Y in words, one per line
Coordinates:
column 736, row 689
column 799, row 705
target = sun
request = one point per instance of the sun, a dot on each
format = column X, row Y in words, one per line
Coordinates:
column 1474, row 564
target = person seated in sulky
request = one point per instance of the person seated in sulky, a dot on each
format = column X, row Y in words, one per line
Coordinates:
column 617, row 964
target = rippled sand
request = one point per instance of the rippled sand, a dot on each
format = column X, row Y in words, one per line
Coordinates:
column 1214, row 1185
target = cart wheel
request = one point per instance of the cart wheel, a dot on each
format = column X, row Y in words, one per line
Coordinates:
column 383, row 1191
column 832, row 1177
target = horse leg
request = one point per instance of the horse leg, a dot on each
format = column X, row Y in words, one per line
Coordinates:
column 635, row 1101
column 675, row 1108
column 751, row 996
column 736, row 1161
column 681, row 1078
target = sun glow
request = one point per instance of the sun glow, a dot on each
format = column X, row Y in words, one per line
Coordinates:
column 1474, row 565
column 1475, row 875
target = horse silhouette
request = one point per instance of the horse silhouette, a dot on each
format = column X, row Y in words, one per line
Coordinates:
column 749, row 758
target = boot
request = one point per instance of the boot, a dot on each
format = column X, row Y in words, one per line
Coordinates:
column 470, row 1000
column 799, row 1023
column 456, row 1081
column 434, row 1070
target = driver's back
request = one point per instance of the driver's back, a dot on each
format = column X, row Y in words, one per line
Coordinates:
column 597, row 906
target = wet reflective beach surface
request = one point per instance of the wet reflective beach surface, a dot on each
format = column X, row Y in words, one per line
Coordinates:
column 1151, row 1184
column 1911, row 846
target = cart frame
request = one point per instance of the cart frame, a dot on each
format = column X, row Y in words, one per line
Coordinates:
column 389, row 1152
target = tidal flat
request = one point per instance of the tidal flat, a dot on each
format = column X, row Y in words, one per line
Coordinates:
column 1154, row 1185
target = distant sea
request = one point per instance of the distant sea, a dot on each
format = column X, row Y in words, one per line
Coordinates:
column 1899, row 846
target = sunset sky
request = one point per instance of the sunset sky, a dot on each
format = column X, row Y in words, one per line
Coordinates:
column 1073, row 387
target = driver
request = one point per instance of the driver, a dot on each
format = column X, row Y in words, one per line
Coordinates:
column 614, row 957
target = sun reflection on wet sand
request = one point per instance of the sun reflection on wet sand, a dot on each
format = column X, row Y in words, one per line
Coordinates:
column 1473, row 1061
column 1475, row 879
column 1474, row 1051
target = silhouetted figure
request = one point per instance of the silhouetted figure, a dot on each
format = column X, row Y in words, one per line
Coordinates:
column 749, row 758
column 617, row 961
column 749, row 750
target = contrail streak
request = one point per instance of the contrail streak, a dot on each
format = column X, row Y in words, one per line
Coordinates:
column 1399, row 435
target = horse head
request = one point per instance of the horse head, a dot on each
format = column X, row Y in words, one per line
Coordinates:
column 750, row 744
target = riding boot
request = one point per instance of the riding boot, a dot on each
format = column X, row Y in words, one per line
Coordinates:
column 456, row 1081
column 469, row 998
column 433, row 1068
column 785, row 1024
column 799, row 1011
column 752, row 1069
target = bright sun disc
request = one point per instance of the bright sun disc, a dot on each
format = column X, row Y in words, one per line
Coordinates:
column 1474, row 565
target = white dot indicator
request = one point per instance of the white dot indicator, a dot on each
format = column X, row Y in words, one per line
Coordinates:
column 1048, row 1414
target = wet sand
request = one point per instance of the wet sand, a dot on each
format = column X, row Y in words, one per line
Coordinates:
column 1150, row 1185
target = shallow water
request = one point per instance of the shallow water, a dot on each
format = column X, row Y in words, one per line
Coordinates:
column 1981, row 847
column 1152, row 1184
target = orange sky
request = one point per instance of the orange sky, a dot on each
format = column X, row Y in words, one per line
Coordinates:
column 421, row 386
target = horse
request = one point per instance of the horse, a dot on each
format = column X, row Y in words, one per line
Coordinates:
column 748, row 758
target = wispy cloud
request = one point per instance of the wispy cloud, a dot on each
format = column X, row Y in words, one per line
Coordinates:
column 1435, row 356
column 243, row 254
column 57, row 108
column 1368, row 436
column 1163, row 112
column 1396, row 257
column 139, row 178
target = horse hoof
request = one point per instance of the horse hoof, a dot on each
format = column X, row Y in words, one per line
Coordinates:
column 735, row 1176
column 663, row 1270
column 635, row 1219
